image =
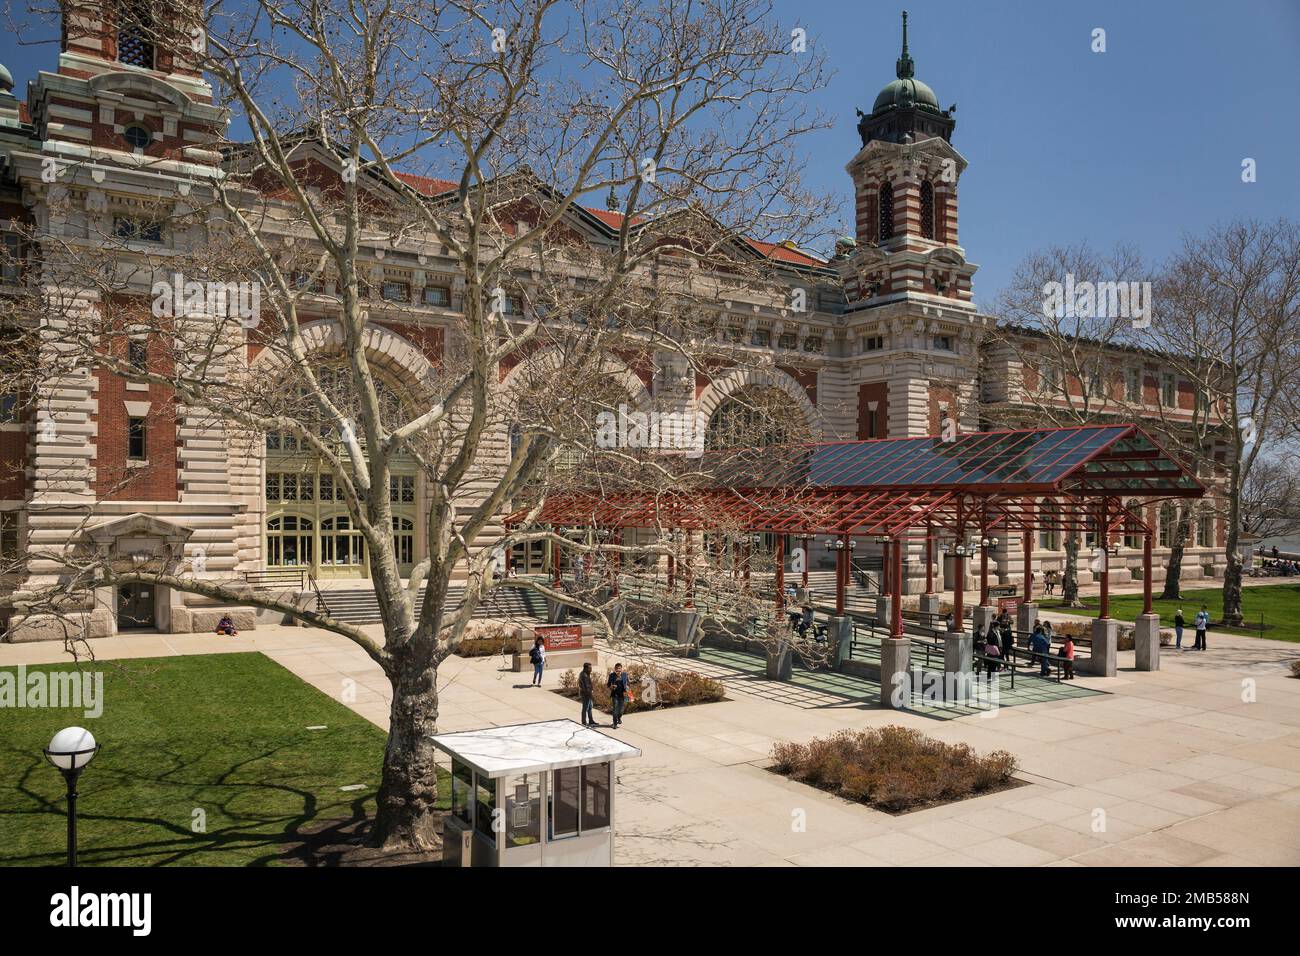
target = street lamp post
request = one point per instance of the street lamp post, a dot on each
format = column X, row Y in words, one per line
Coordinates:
column 69, row 752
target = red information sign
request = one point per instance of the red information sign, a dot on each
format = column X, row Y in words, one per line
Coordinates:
column 560, row 637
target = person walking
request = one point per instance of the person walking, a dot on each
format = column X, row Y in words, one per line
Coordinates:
column 537, row 656
column 1202, row 623
column 1179, row 623
column 618, row 692
column 584, row 691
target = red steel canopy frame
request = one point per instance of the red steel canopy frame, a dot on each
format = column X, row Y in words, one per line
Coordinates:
column 985, row 482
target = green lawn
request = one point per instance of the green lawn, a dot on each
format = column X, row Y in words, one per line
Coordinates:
column 225, row 734
column 1278, row 603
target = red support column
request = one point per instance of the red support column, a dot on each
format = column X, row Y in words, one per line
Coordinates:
column 690, row 570
column 896, row 590
column 1146, row 573
column 841, row 559
column 672, row 572
column 886, row 568
column 807, row 560
column 1027, row 545
column 555, row 563
column 1103, row 536
column 984, row 573
column 958, row 592
column 929, row 559
column 618, row 561
column 749, row 551
column 780, row 571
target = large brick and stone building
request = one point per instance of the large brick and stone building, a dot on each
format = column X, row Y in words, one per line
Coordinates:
column 891, row 343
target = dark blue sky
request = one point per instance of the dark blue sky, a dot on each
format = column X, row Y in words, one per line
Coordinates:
column 1137, row 144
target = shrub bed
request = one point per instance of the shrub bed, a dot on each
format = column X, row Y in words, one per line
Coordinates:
column 674, row 688
column 894, row 768
column 485, row 639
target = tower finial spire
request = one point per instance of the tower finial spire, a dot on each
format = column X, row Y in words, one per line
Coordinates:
column 905, row 69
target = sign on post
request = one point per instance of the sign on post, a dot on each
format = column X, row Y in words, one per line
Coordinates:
column 560, row 637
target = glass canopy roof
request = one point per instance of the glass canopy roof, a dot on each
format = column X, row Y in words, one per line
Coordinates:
column 888, row 486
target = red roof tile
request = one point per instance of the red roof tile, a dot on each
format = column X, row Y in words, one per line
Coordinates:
column 784, row 253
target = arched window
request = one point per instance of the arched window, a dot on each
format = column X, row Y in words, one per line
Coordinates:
column 1205, row 530
column 1168, row 524
column 404, row 539
column 886, row 230
column 1049, row 538
column 134, row 31
column 288, row 542
column 927, row 210
column 340, row 543
column 753, row 417
column 1132, row 539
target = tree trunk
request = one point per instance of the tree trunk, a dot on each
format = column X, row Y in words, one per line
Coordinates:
column 1070, row 577
column 1232, row 613
column 1174, row 567
column 406, row 819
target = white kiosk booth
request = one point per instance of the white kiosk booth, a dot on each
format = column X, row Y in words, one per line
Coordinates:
column 539, row 794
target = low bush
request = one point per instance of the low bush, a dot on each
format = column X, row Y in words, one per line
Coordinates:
column 1295, row 668
column 486, row 638
column 893, row 768
column 673, row 688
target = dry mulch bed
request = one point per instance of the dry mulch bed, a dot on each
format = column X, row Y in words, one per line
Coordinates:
column 675, row 689
column 894, row 769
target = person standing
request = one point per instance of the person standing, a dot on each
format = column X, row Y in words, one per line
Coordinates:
column 584, row 691
column 618, row 692
column 537, row 656
column 1068, row 653
column 1041, row 647
column 1202, row 623
column 1179, row 623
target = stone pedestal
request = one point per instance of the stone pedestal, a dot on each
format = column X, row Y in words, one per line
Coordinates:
column 557, row 612
column 780, row 662
column 1105, row 640
column 981, row 617
column 686, row 629
column 930, row 603
column 884, row 608
column 1146, row 642
column 1026, row 618
column 617, row 615
column 839, row 631
column 959, row 664
column 895, row 678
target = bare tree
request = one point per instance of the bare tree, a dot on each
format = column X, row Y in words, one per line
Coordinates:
column 1050, row 347
column 1229, row 321
column 681, row 118
column 1270, row 498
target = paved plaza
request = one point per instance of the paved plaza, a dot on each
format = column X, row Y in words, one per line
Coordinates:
column 1196, row 764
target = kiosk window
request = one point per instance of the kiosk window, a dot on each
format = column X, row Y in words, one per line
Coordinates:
column 523, row 809
column 462, row 789
column 595, row 796
column 564, row 801
column 486, row 798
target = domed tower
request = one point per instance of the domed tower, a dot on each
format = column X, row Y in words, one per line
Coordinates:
column 911, row 322
column 906, row 111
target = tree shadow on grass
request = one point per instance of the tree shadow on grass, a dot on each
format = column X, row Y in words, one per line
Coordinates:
column 112, row 835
